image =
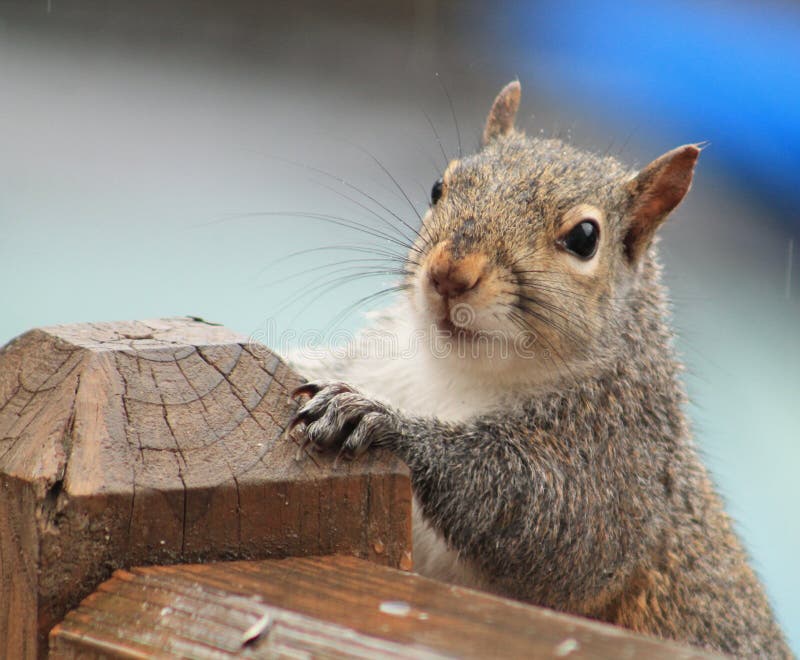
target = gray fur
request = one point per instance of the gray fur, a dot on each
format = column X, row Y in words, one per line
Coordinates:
column 587, row 496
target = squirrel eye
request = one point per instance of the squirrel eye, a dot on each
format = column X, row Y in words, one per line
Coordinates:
column 582, row 239
column 436, row 191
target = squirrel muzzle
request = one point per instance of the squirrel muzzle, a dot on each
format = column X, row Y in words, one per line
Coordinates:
column 452, row 277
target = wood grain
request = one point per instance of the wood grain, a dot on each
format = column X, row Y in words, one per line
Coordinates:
column 306, row 606
column 156, row 442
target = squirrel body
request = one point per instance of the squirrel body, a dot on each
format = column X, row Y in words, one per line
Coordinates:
column 529, row 381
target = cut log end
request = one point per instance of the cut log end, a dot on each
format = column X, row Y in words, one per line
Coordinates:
column 156, row 442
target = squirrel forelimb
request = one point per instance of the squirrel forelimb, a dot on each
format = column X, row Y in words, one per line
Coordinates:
column 510, row 498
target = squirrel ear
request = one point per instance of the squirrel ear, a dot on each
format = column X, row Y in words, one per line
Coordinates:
column 654, row 192
column 504, row 110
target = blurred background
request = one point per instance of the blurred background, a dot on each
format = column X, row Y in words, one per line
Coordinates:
column 154, row 158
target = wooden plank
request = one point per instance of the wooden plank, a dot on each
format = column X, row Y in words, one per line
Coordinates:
column 326, row 607
column 160, row 442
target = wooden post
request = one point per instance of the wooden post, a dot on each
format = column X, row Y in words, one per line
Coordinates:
column 158, row 442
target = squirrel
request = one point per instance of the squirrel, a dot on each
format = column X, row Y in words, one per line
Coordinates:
column 541, row 411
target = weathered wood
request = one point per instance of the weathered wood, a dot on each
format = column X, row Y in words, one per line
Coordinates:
column 160, row 442
column 305, row 606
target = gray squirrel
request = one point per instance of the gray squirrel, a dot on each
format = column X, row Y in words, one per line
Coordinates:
column 541, row 411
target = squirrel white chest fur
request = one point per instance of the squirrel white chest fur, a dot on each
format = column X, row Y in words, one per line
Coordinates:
column 392, row 363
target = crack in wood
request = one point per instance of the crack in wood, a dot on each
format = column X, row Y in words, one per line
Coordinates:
column 234, row 388
column 185, row 516
column 69, row 430
column 207, row 416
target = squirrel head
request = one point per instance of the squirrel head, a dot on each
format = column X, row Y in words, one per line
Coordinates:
column 537, row 246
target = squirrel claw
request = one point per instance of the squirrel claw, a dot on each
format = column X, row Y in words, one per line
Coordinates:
column 314, row 387
column 336, row 416
column 308, row 389
column 314, row 407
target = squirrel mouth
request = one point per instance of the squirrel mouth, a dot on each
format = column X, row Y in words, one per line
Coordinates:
column 446, row 327
column 449, row 321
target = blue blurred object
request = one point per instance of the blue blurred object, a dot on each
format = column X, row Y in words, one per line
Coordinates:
column 727, row 73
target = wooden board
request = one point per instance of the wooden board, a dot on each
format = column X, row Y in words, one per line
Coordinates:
column 156, row 442
column 325, row 607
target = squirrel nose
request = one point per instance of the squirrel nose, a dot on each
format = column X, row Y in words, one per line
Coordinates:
column 451, row 283
column 452, row 277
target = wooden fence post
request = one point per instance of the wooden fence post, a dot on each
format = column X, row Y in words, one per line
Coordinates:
column 159, row 442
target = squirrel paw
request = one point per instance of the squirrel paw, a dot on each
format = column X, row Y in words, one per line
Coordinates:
column 336, row 415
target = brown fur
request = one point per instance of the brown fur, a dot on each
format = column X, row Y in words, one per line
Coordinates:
column 503, row 112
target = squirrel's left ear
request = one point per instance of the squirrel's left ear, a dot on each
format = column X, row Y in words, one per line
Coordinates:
column 504, row 110
column 654, row 192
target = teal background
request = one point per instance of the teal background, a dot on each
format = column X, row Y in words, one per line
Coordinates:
column 136, row 139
